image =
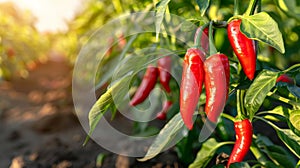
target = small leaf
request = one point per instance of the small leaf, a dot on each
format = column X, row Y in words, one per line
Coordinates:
column 203, row 5
column 295, row 119
column 171, row 130
column 262, row 27
column 206, row 153
column 160, row 14
column 258, row 90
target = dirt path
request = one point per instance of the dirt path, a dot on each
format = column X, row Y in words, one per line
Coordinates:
column 39, row 129
column 37, row 122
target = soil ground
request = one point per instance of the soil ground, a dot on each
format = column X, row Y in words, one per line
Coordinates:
column 40, row 130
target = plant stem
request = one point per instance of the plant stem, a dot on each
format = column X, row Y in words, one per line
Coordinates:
column 240, row 103
column 212, row 49
column 199, row 35
column 258, row 155
column 251, row 8
column 236, row 7
column 283, row 99
column 292, row 67
column 228, row 117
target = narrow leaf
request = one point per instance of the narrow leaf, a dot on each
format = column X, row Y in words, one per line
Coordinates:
column 206, row 153
column 262, row 27
column 172, row 129
column 295, row 119
column 159, row 16
column 258, row 90
column 203, row 5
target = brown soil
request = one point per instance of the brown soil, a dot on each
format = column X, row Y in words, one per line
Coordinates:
column 39, row 129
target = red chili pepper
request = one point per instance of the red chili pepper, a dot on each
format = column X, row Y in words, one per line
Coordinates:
column 191, row 84
column 216, row 69
column 162, row 115
column 243, row 47
column 285, row 78
column 122, row 41
column 146, row 86
column 204, row 38
column 164, row 68
column 243, row 130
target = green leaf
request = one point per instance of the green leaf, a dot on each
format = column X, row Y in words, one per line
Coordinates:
column 203, row 5
column 160, row 14
column 295, row 119
column 258, row 90
column 172, row 129
column 206, row 153
column 100, row 107
column 262, row 27
column 290, row 139
column 295, row 90
column 280, row 156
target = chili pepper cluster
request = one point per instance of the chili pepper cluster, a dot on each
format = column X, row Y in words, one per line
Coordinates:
column 149, row 80
column 213, row 72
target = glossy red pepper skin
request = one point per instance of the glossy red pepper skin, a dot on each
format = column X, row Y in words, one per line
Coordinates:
column 164, row 69
column 243, row 47
column 285, row 78
column 146, row 86
column 162, row 115
column 216, row 69
column 191, row 84
column 204, row 38
column 244, row 131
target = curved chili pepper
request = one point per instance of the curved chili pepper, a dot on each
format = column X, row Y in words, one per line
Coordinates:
column 244, row 131
column 191, row 84
column 204, row 38
column 162, row 115
column 146, row 86
column 285, row 78
column 243, row 47
column 164, row 68
column 216, row 69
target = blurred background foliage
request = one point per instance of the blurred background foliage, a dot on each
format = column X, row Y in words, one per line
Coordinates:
column 22, row 47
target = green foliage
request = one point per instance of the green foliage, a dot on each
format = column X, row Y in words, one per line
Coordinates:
column 257, row 27
column 258, row 90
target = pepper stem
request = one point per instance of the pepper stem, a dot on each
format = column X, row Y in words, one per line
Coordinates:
column 251, row 8
column 212, row 49
column 236, row 7
column 199, row 35
column 240, row 103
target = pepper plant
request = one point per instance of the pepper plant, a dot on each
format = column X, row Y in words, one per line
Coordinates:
column 234, row 55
